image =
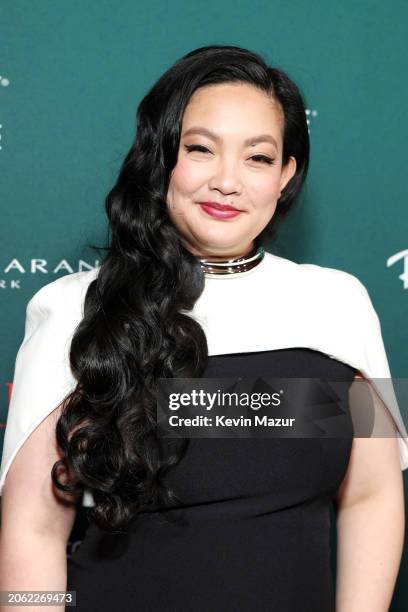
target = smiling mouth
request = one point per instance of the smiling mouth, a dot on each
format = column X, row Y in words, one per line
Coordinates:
column 218, row 206
column 225, row 212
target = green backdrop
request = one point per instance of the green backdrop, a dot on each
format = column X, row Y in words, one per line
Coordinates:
column 72, row 74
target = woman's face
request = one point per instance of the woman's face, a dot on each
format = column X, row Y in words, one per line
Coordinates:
column 230, row 153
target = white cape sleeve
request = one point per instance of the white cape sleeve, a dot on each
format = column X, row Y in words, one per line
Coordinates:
column 42, row 374
column 358, row 342
column 371, row 360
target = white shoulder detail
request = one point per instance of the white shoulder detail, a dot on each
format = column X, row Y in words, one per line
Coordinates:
column 350, row 328
column 42, row 373
column 331, row 274
column 350, row 297
column 314, row 272
column 368, row 352
column 70, row 285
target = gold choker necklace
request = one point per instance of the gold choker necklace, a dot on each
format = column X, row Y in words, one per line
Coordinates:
column 233, row 266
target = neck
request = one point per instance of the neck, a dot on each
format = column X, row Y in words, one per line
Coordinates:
column 214, row 257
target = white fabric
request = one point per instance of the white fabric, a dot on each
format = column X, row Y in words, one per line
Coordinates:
column 278, row 304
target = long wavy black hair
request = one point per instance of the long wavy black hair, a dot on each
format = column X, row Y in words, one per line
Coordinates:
column 136, row 327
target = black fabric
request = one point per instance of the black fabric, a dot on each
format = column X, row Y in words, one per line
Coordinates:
column 257, row 532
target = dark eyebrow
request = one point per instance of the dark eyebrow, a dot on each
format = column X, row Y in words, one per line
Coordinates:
column 249, row 141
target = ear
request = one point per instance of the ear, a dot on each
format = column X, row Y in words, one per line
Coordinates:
column 288, row 171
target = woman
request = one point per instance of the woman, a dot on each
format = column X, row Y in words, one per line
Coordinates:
column 186, row 290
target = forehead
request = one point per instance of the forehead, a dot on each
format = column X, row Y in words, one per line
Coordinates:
column 233, row 109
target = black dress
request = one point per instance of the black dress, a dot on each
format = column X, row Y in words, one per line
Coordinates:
column 257, row 535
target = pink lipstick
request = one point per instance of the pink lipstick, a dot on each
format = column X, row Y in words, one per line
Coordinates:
column 219, row 211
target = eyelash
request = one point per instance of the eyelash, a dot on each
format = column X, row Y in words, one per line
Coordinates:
column 264, row 159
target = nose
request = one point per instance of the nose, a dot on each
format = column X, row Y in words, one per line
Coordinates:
column 226, row 178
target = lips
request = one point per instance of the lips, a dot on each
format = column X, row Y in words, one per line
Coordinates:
column 218, row 206
column 219, row 211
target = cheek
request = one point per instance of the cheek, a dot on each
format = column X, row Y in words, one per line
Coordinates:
column 264, row 190
column 186, row 177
